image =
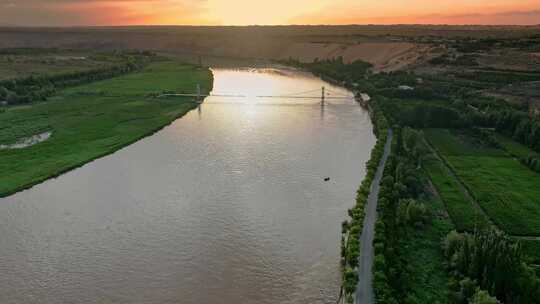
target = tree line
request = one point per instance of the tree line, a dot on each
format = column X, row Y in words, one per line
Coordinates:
column 519, row 125
column 351, row 229
column 398, row 209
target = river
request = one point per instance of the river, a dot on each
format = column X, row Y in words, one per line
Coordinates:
column 226, row 205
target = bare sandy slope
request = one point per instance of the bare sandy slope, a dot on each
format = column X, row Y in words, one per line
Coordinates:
column 385, row 56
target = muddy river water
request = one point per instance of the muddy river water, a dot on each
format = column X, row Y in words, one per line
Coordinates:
column 226, row 205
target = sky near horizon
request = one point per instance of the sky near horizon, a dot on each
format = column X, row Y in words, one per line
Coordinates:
column 264, row 12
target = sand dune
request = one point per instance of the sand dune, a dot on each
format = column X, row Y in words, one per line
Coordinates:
column 385, row 56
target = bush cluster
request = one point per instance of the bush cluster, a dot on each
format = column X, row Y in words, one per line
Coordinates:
column 491, row 263
column 533, row 162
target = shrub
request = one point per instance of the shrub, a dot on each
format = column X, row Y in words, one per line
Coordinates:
column 483, row 297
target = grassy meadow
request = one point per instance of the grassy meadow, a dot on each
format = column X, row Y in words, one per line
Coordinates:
column 514, row 148
column 92, row 120
column 506, row 190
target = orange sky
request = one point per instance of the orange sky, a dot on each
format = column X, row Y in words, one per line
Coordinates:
column 244, row 12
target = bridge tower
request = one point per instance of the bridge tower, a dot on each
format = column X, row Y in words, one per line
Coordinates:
column 322, row 96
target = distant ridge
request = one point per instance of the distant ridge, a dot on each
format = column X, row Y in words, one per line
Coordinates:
column 387, row 47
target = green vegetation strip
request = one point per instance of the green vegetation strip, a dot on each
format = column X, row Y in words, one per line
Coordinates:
column 462, row 211
column 514, row 148
column 524, row 154
column 427, row 277
column 91, row 121
column 531, row 248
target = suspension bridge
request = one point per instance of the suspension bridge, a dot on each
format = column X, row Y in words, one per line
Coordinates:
column 324, row 94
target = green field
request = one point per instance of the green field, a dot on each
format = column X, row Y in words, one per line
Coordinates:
column 92, row 120
column 460, row 144
column 465, row 216
column 505, row 189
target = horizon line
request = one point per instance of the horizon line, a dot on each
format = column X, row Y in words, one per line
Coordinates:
column 271, row 25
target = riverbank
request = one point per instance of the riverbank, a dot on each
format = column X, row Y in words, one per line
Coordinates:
column 352, row 228
column 90, row 121
column 364, row 289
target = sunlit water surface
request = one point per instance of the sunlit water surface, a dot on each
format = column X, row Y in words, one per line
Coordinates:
column 226, row 205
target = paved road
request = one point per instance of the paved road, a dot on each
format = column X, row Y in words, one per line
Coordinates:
column 364, row 289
